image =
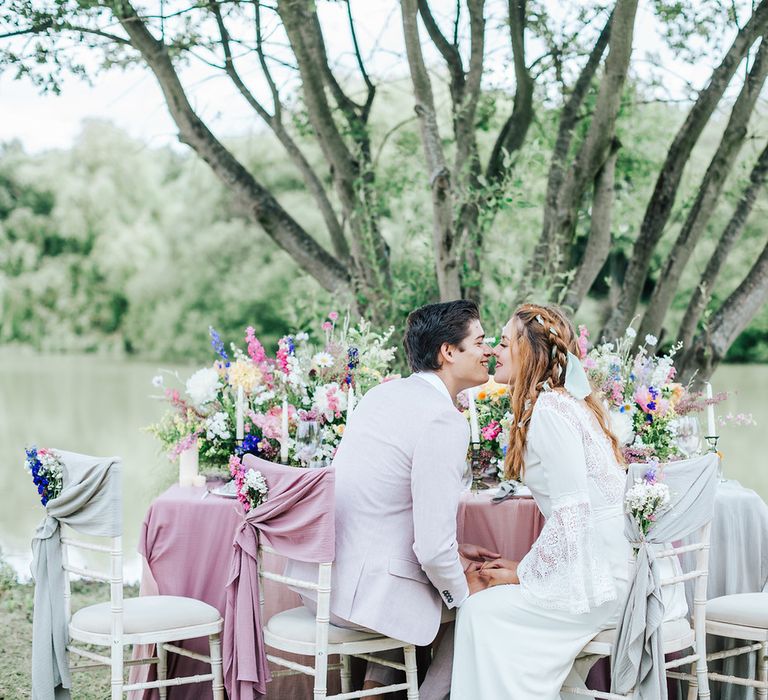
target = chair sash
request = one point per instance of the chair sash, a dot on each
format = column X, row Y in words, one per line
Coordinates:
column 297, row 520
column 638, row 659
column 90, row 502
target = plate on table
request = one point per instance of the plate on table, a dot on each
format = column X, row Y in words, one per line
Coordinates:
column 228, row 490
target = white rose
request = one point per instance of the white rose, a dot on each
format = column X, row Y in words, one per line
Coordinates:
column 621, row 426
column 202, row 386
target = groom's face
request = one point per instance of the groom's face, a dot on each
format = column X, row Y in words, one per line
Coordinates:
column 470, row 366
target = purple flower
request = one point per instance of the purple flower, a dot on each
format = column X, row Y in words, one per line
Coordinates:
column 218, row 344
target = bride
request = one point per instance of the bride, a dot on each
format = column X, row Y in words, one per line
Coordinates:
column 518, row 638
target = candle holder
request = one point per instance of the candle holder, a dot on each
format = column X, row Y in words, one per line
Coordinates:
column 712, row 442
column 479, row 466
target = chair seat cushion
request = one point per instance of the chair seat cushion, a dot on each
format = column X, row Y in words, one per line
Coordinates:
column 298, row 624
column 745, row 609
column 151, row 613
column 673, row 630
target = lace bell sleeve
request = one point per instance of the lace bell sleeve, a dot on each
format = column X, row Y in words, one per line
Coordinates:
column 561, row 572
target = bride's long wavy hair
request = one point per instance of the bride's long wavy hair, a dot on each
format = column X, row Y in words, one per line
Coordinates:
column 545, row 336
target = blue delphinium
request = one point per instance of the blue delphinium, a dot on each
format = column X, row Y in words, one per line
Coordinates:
column 218, row 344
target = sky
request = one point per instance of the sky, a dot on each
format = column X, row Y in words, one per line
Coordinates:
column 132, row 100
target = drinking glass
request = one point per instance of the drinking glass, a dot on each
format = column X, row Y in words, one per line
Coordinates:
column 307, row 441
column 688, row 437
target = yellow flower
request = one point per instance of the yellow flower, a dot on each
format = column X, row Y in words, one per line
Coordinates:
column 340, row 429
column 244, row 373
column 482, row 395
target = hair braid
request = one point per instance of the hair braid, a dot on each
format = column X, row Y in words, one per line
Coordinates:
column 545, row 337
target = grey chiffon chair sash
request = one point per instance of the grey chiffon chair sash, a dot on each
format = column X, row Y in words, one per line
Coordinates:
column 90, row 502
column 638, row 659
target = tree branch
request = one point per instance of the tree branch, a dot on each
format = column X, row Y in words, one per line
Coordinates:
column 731, row 233
column 665, row 192
column 568, row 120
column 311, row 180
column 712, row 344
column 371, row 88
column 261, row 204
column 512, row 134
column 449, row 51
column 599, row 241
column 708, row 195
column 440, row 177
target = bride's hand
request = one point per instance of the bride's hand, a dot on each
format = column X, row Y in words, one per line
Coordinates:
column 474, row 552
column 500, row 575
column 500, row 564
column 477, row 581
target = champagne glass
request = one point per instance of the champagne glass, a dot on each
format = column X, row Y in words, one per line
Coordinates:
column 688, row 439
column 307, row 441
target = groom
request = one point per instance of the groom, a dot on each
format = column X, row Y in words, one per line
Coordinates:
column 399, row 471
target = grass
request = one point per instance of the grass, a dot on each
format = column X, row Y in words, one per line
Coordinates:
column 16, row 607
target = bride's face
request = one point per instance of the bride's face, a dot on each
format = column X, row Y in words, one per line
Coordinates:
column 507, row 352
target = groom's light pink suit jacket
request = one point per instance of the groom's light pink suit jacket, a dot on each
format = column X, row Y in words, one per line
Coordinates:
column 398, row 479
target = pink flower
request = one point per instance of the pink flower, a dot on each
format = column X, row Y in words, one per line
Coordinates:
column 327, row 326
column 334, row 316
column 255, row 348
column 583, row 341
column 491, row 431
column 589, row 363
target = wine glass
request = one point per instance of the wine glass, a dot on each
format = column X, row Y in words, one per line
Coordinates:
column 688, row 438
column 307, row 441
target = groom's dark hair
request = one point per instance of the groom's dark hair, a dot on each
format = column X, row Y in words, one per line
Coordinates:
column 432, row 325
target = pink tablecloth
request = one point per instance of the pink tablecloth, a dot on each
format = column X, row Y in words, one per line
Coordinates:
column 186, row 541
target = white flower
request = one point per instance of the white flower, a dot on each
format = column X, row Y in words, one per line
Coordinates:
column 301, row 337
column 202, row 386
column 651, row 340
column 323, row 360
column 630, row 332
column 216, row 427
column 621, row 426
column 157, row 380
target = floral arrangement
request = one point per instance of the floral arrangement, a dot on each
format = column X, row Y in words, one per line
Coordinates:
column 493, row 420
column 306, row 380
column 251, row 485
column 647, row 498
column 645, row 402
column 47, row 472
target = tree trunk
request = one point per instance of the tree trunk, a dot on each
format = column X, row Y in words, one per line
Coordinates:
column 712, row 344
column 596, row 145
column 538, row 267
column 703, row 292
column 599, row 241
column 707, row 196
column 258, row 201
column 443, row 238
column 663, row 198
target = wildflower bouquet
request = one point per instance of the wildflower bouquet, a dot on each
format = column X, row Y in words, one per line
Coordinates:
column 47, row 472
column 493, row 420
column 306, row 380
column 251, row 485
column 647, row 498
column 646, row 405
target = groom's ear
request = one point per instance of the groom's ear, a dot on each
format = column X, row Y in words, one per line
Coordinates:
column 446, row 354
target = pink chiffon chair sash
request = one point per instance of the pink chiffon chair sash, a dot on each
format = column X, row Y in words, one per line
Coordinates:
column 297, row 520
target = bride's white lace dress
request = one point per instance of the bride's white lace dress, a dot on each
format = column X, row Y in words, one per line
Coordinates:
column 519, row 641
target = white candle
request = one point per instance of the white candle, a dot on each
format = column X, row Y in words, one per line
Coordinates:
column 188, row 463
column 239, row 430
column 284, row 433
column 474, row 430
column 711, row 429
column 350, row 401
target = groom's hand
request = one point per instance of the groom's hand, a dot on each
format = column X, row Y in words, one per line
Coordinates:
column 477, row 581
column 475, row 552
column 499, row 572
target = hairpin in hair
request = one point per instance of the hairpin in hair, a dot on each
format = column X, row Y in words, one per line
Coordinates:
column 539, row 319
column 553, row 331
column 554, row 351
column 545, row 386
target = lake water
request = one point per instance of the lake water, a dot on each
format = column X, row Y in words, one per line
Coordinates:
column 99, row 406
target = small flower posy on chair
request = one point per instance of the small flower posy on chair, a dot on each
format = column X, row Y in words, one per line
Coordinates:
column 47, row 472
column 250, row 484
column 647, row 498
